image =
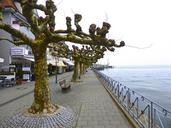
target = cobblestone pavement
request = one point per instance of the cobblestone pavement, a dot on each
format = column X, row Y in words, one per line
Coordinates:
column 88, row 99
column 62, row 118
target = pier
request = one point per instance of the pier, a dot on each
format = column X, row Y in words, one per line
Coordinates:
column 101, row 67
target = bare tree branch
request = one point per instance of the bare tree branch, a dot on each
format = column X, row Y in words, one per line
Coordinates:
column 40, row 7
column 122, row 43
column 13, row 42
column 27, row 10
column 17, row 33
column 72, row 38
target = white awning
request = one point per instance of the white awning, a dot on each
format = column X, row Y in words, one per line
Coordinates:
column 51, row 62
column 69, row 63
column 30, row 59
column 1, row 60
column 59, row 63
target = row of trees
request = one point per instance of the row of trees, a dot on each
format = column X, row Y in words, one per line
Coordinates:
column 45, row 34
column 83, row 58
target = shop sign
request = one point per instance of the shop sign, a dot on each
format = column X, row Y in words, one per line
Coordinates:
column 17, row 51
column 26, row 68
column 26, row 76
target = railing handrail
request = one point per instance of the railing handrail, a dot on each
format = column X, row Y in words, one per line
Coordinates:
column 155, row 111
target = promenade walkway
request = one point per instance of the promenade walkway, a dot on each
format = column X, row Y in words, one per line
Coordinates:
column 90, row 101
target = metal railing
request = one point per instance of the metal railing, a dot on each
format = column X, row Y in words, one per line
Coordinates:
column 143, row 111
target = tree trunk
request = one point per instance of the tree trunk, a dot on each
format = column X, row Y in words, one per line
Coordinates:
column 84, row 68
column 76, row 75
column 42, row 98
column 81, row 68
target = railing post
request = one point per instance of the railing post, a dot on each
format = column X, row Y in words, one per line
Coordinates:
column 113, row 86
column 154, row 123
column 118, row 91
column 151, row 115
column 128, row 99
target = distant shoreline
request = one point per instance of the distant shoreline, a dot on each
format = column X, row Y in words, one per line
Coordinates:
column 141, row 66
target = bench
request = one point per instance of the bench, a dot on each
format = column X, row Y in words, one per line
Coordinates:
column 64, row 86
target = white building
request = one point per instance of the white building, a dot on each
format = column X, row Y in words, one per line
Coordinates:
column 20, row 56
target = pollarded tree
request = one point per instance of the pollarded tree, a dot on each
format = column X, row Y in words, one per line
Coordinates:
column 92, row 57
column 76, row 58
column 44, row 31
column 89, row 56
column 59, row 49
column 83, row 58
column 77, row 55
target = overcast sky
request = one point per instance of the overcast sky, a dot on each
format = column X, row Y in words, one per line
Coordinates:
column 141, row 23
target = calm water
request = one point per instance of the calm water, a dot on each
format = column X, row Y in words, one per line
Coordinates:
column 151, row 82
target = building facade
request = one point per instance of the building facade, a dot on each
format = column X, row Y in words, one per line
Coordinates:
column 20, row 56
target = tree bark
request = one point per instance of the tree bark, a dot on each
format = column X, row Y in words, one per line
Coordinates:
column 81, row 68
column 84, row 68
column 42, row 98
column 76, row 74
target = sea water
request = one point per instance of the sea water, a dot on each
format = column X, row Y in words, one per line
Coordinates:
column 153, row 82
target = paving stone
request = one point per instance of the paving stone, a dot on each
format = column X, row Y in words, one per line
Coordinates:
column 63, row 118
column 82, row 123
